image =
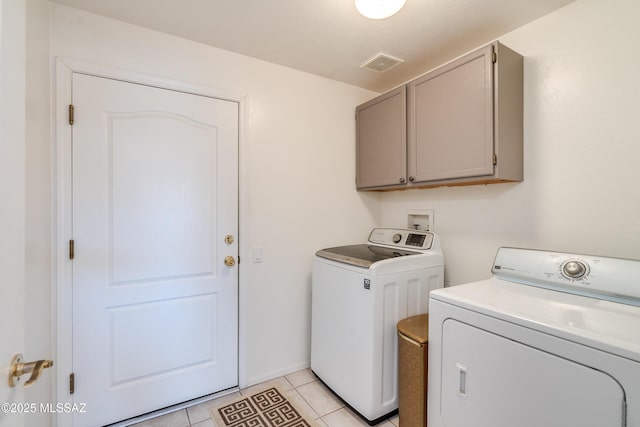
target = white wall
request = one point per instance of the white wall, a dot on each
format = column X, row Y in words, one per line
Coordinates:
column 297, row 169
column 38, row 327
column 582, row 149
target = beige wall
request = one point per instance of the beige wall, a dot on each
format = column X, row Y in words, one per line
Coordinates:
column 582, row 149
column 297, row 170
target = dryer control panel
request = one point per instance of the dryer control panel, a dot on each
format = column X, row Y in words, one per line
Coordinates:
column 409, row 239
column 600, row 277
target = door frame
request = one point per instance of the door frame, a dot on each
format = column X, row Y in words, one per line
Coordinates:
column 61, row 298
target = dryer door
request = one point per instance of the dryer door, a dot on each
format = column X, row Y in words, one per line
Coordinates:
column 492, row 381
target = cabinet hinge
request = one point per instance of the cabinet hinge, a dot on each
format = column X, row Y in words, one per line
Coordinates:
column 72, row 251
column 494, row 56
column 72, row 383
column 71, row 114
column 495, row 160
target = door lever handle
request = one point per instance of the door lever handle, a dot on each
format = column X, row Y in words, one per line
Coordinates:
column 18, row 368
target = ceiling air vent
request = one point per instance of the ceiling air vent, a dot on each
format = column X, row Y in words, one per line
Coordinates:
column 381, row 63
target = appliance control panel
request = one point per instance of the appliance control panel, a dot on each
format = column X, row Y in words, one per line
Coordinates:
column 409, row 239
column 613, row 279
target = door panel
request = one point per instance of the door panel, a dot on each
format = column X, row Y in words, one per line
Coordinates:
column 180, row 242
column 136, row 343
column 179, row 182
column 154, row 194
column 491, row 381
column 12, row 208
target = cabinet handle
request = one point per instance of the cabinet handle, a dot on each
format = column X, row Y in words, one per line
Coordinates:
column 401, row 180
column 412, row 178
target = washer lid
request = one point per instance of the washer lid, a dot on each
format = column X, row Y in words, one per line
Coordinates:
column 607, row 325
column 363, row 255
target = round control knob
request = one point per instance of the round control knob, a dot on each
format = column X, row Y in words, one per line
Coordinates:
column 396, row 238
column 574, row 269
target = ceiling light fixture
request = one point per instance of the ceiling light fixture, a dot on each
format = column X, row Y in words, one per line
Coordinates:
column 379, row 9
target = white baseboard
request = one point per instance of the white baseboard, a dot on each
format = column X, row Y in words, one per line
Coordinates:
column 277, row 374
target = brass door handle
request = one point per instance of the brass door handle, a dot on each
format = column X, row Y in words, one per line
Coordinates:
column 229, row 261
column 18, row 368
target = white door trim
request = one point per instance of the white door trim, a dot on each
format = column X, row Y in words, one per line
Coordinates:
column 62, row 340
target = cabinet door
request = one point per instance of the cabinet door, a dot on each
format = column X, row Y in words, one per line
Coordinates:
column 381, row 140
column 451, row 120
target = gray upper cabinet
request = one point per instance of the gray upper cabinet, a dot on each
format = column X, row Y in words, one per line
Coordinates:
column 451, row 120
column 464, row 123
column 381, row 135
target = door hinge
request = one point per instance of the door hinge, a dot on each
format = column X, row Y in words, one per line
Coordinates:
column 494, row 56
column 495, row 159
column 72, row 249
column 71, row 114
column 72, row 383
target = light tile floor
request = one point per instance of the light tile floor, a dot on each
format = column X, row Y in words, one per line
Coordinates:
column 307, row 391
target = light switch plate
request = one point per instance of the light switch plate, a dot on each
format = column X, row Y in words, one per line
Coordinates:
column 257, row 254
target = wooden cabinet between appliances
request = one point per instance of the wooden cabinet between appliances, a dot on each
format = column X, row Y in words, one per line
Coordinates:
column 459, row 124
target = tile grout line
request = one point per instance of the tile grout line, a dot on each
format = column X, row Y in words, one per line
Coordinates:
column 314, row 379
column 332, row 412
column 307, row 402
column 320, row 417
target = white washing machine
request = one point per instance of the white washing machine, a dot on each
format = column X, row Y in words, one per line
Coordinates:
column 359, row 293
column 552, row 339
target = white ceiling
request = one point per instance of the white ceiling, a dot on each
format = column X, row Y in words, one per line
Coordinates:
column 328, row 37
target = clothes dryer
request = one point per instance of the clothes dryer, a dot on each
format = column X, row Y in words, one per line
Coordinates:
column 550, row 340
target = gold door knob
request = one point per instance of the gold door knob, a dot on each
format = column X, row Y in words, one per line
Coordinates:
column 229, row 261
column 18, row 368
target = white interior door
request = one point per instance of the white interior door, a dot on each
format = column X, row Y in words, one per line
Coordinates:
column 12, row 205
column 155, row 308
